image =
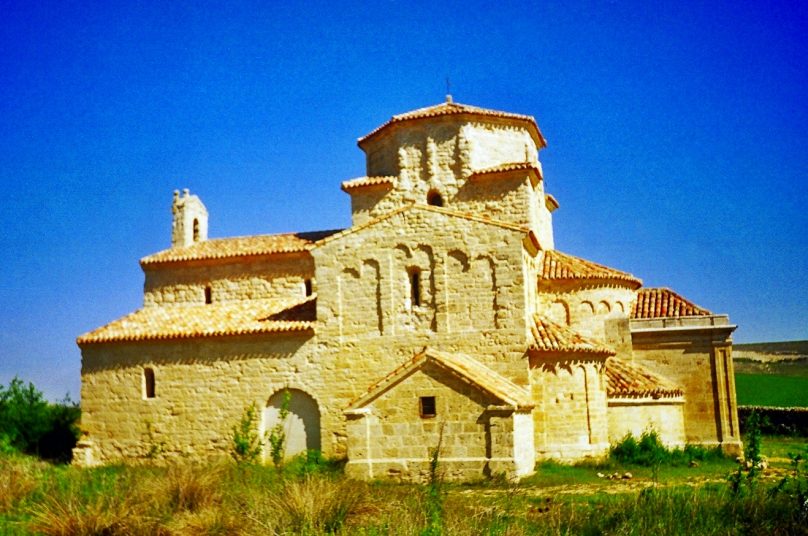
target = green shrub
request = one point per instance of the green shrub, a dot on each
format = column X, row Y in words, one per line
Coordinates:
column 31, row 425
column 649, row 451
column 246, row 446
column 312, row 462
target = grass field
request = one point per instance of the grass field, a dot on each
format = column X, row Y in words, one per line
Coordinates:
column 225, row 498
column 771, row 390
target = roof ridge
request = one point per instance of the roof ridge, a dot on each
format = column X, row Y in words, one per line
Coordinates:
column 239, row 246
column 625, row 378
column 560, row 266
column 459, row 364
column 549, row 336
column 181, row 321
column 455, row 108
column 662, row 302
column 418, row 206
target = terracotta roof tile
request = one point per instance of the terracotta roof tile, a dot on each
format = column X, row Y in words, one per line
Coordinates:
column 624, row 379
column 206, row 320
column 551, row 203
column 534, row 170
column 240, row 246
column 455, row 108
column 664, row 303
column 557, row 266
column 465, row 367
column 551, row 337
column 364, row 182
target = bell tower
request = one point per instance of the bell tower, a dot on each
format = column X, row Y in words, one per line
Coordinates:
column 190, row 220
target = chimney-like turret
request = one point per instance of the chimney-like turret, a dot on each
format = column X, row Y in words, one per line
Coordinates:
column 190, row 224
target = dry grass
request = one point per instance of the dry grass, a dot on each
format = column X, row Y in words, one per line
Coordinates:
column 255, row 500
column 318, row 504
column 19, row 478
column 72, row 515
column 190, row 488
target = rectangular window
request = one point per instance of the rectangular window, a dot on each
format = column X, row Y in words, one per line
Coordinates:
column 309, row 289
column 208, row 295
column 148, row 383
column 427, row 407
column 415, row 287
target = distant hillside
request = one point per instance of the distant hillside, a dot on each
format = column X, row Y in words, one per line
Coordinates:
column 784, row 348
column 788, row 358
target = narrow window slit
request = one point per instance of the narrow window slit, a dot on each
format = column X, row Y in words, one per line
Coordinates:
column 415, row 287
column 148, row 383
column 208, row 295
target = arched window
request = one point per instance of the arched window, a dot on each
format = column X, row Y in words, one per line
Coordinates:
column 434, row 198
column 415, row 287
column 196, row 230
column 148, row 383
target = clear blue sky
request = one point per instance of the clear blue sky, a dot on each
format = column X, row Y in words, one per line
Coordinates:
column 678, row 145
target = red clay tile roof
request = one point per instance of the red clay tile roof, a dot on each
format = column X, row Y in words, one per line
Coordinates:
column 630, row 380
column 454, row 108
column 557, row 266
column 465, row 367
column 364, row 182
column 551, row 202
column 240, row 246
column 505, row 168
column 206, row 320
column 664, row 303
column 551, row 337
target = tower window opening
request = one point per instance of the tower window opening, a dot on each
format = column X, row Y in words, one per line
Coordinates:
column 148, row 383
column 196, row 230
column 309, row 288
column 434, row 198
column 208, row 295
column 427, row 407
column 415, row 287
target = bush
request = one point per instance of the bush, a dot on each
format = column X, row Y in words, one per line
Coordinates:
column 649, row 451
column 246, row 446
column 312, row 462
column 31, row 425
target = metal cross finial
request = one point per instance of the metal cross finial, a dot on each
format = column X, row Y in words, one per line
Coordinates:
column 448, row 90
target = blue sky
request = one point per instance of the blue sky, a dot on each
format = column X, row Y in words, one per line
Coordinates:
column 677, row 139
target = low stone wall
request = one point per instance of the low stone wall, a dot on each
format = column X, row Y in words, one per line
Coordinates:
column 777, row 421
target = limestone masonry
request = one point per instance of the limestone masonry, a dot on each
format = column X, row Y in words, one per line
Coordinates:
column 443, row 315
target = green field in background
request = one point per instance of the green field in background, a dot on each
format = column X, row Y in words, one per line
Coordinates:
column 771, row 390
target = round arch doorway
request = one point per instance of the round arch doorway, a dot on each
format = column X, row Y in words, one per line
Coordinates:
column 301, row 426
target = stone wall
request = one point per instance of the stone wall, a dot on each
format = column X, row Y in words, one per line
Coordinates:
column 472, row 295
column 635, row 416
column 441, row 157
column 392, row 440
column 589, row 308
column 202, row 388
column 695, row 353
column 570, row 418
column 279, row 276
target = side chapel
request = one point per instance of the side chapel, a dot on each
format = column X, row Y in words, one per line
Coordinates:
column 443, row 315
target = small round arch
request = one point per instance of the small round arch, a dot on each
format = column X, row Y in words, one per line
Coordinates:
column 434, row 198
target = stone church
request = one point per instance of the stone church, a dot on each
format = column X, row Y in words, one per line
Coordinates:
column 444, row 315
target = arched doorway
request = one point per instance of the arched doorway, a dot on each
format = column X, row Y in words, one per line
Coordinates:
column 302, row 425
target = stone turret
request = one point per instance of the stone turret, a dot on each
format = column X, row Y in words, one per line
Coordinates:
column 190, row 223
column 461, row 157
